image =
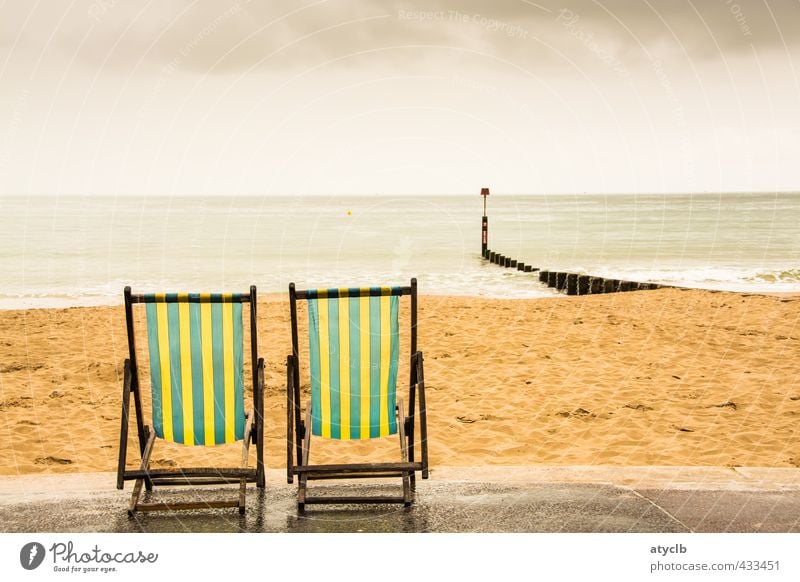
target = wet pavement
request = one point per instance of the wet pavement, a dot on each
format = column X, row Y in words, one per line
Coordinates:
column 497, row 499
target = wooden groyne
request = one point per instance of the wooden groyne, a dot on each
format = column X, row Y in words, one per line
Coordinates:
column 569, row 283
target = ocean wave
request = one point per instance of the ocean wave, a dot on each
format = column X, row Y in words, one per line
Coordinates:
column 788, row 276
column 737, row 279
column 480, row 279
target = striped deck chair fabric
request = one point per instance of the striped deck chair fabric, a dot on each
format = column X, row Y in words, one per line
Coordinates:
column 196, row 367
column 353, row 357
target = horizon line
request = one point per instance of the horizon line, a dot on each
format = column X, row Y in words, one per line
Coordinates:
column 396, row 195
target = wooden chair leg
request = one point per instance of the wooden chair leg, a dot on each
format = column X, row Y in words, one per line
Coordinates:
column 123, row 431
column 290, row 436
column 423, row 416
column 412, row 393
column 137, row 488
column 401, row 421
column 303, row 481
column 248, row 428
column 258, row 420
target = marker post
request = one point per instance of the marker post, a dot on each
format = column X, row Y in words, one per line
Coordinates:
column 484, row 226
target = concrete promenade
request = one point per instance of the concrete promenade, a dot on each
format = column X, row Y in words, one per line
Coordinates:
column 454, row 499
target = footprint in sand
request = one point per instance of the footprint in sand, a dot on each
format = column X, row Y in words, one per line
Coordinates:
column 165, row 463
column 470, row 420
column 577, row 413
column 15, row 367
column 640, row 407
column 103, row 370
column 50, row 460
column 21, row 402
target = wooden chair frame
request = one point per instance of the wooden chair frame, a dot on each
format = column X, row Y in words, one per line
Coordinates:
column 298, row 441
column 147, row 477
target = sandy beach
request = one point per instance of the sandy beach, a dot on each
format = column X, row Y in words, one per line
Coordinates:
column 666, row 377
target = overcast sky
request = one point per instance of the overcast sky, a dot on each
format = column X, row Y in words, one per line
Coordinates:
column 371, row 96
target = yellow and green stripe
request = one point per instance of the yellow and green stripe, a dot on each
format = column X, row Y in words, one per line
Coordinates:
column 353, row 354
column 197, row 367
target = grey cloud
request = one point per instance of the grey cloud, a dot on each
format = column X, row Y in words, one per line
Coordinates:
column 230, row 35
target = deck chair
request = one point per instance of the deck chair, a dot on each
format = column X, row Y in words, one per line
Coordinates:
column 195, row 345
column 353, row 365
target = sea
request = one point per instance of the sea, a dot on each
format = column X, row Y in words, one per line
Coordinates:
column 60, row 251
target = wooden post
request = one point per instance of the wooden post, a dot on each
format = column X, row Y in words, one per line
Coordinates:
column 596, row 286
column 521, row 266
column 572, row 284
column 561, row 281
column 507, row 262
column 584, row 284
column 551, row 279
column 513, row 264
column 610, row 285
column 484, row 223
